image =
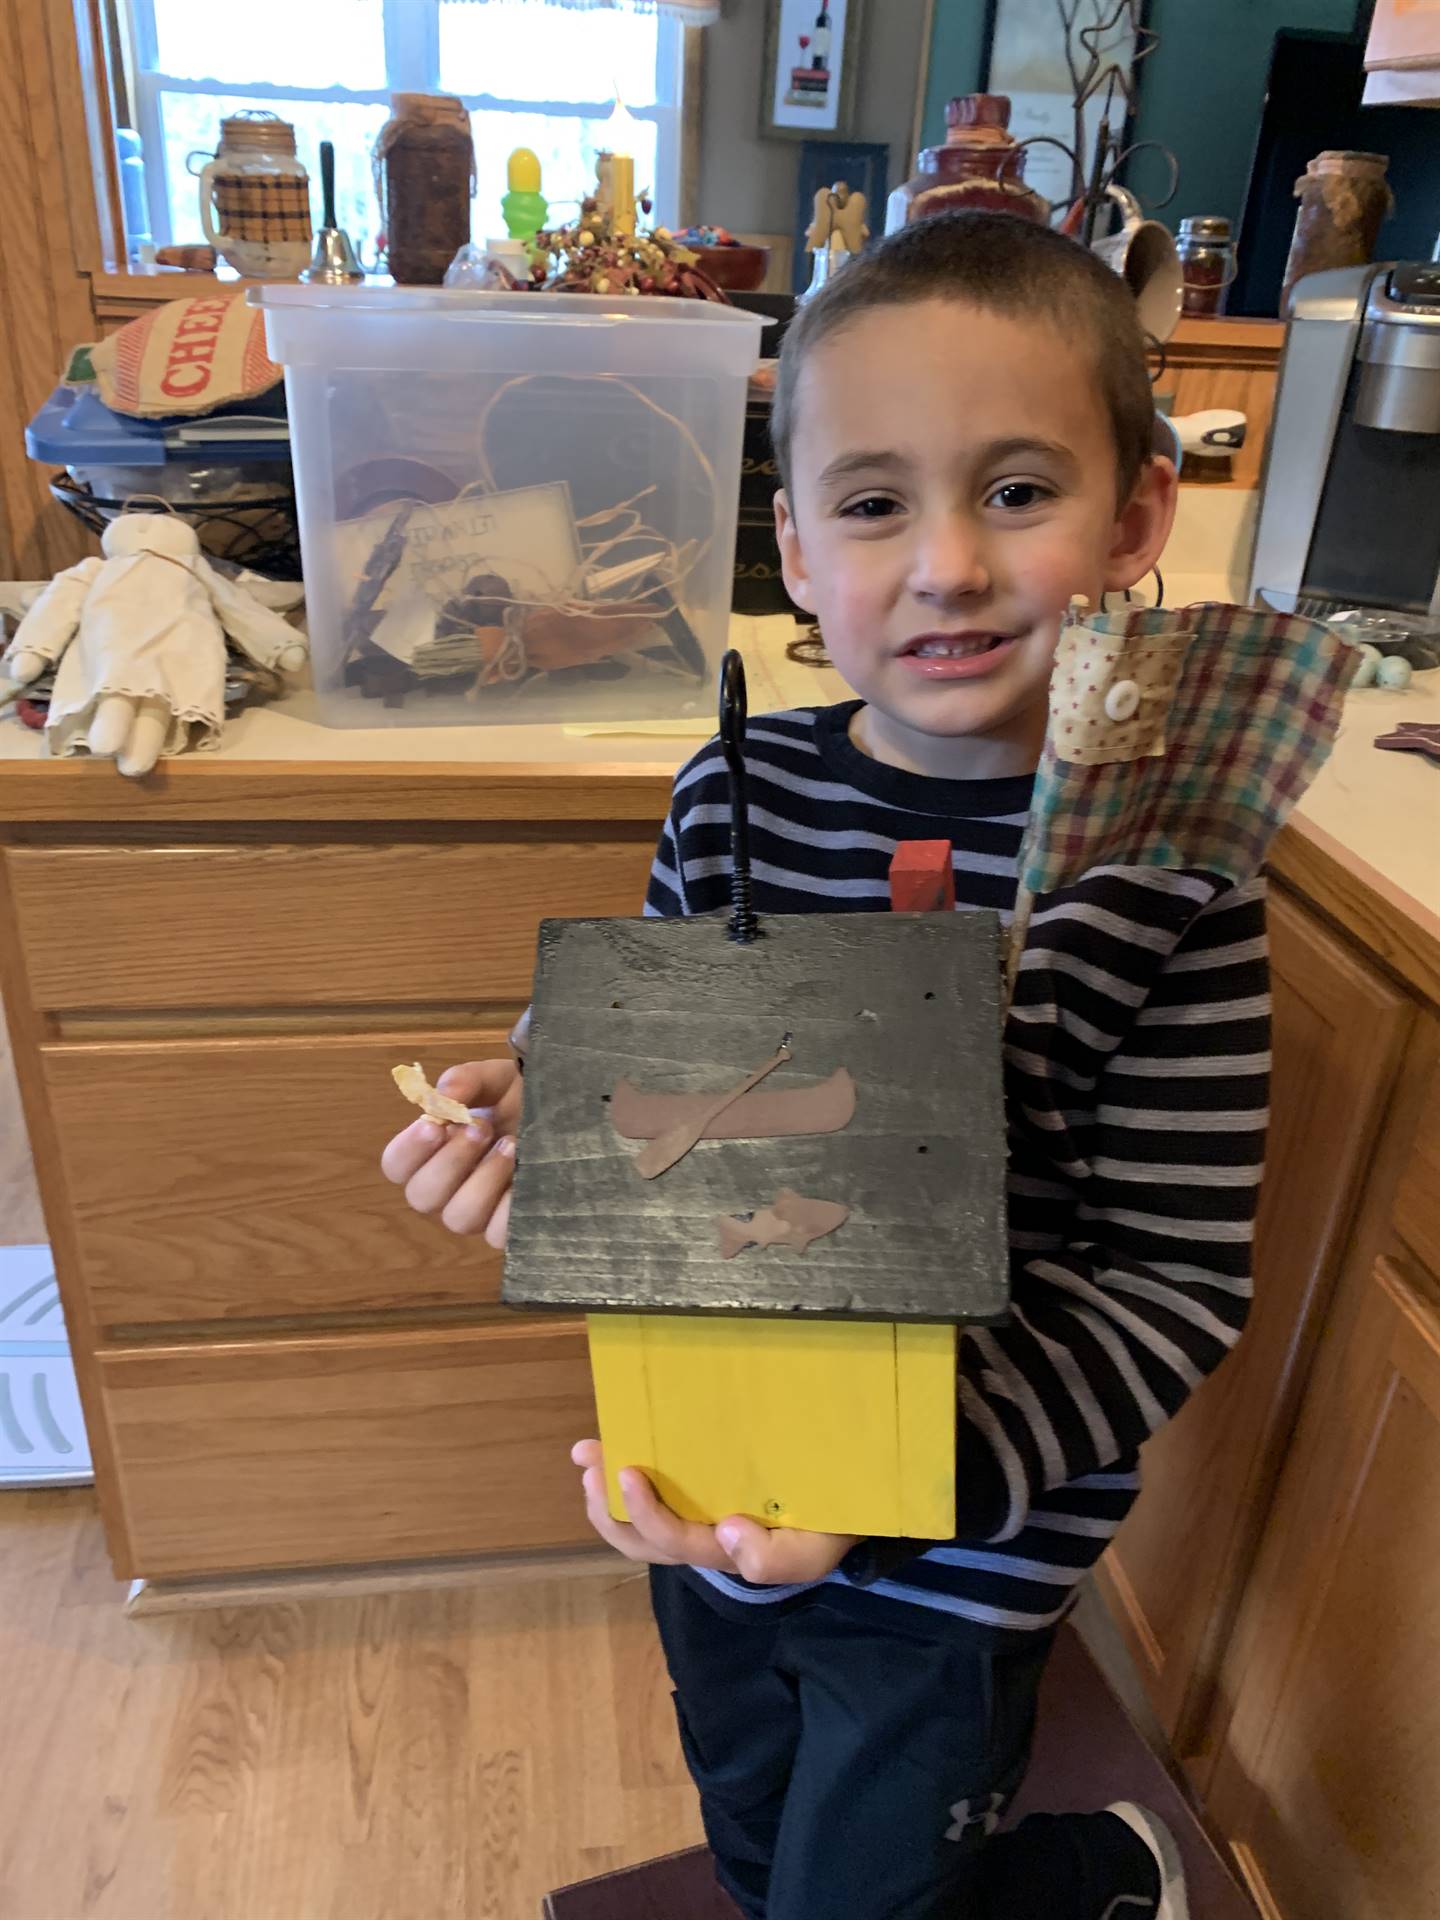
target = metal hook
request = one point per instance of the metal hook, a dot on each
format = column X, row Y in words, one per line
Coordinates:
column 744, row 926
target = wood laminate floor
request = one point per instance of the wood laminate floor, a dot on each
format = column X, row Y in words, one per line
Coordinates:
column 435, row 1755
column 447, row 1753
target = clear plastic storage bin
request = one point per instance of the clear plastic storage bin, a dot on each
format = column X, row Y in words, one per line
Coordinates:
column 513, row 507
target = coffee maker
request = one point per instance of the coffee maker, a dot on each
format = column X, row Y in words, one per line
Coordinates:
column 1350, row 508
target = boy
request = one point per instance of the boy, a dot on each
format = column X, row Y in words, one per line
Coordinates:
column 964, row 427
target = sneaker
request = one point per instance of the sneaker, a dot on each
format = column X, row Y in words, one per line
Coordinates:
column 1161, row 1842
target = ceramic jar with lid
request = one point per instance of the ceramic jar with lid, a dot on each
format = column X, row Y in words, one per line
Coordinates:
column 981, row 167
column 255, row 197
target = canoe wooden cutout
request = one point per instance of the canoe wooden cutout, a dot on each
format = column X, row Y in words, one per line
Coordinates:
column 662, row 1152
column 764, row 1114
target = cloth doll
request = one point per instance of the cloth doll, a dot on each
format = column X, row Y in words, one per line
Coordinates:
column 137, row 641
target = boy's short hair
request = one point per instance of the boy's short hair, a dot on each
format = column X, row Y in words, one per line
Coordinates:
column 1004, row 265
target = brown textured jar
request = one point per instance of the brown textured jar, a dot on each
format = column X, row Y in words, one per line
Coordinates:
column 1344, row 200
column 424, row 178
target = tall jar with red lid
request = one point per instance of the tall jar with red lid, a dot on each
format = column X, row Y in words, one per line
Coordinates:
column 980, row 167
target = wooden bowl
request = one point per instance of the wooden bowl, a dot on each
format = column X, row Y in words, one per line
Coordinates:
column 736, row 269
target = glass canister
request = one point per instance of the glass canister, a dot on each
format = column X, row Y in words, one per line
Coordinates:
column 981, row 166
column 1344, row 201
column 1207, row 261
column 258, row 192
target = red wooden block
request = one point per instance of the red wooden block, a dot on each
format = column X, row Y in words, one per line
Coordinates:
column 922, row 879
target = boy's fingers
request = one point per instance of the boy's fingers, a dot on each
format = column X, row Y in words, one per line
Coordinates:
column 760, row 1555
column 471, row 1208
column 676, row 1541
column 446, row 1168
column 774, row 1557
column 479, row 1083
column 625, row 1539
column 587, row 1453
column 499, row 1227
column 407, row 1152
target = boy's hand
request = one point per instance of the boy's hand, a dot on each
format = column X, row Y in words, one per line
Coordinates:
column 464, row 1174
column 766, row 1556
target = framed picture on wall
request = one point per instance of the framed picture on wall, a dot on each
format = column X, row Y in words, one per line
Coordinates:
column 812, row 49
column 864, row 166
column 1027, row 57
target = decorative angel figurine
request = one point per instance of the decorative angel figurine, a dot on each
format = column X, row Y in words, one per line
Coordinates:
column 137, row 640
column 839, row 222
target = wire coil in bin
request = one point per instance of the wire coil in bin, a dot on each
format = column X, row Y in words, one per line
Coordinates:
column 262, row 533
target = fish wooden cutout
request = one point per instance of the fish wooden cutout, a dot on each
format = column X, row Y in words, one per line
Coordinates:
column 790, row 1221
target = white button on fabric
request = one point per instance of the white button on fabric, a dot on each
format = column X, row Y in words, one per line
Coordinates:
column 1122, row 702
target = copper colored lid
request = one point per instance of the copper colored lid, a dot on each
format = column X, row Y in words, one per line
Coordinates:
column 978, row 110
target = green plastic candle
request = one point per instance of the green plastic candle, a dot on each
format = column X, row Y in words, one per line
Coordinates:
column 524, row 207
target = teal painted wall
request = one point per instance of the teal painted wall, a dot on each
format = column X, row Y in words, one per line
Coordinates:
column 957, row 45
column 1201, row 90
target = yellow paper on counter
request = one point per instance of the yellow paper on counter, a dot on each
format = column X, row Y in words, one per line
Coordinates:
column 773, row 682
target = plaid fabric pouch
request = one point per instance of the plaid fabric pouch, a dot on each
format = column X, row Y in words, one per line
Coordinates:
column 1178, row 739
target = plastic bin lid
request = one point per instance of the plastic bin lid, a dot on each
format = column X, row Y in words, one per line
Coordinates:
column 74, row 428
column 460, row 329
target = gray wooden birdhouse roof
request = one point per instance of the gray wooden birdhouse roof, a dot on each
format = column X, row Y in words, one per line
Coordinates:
column 631, row 1018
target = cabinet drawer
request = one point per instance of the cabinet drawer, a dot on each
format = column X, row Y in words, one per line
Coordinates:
column 240, row 1179
column 1417, row 1203
column 305, row 924
column 349, row 1449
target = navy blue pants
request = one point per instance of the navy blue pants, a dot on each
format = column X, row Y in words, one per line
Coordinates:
column 850, row 1771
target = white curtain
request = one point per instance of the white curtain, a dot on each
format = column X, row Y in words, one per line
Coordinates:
column 695, row 13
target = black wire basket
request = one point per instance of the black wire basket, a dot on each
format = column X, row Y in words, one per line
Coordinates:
column 262, row 534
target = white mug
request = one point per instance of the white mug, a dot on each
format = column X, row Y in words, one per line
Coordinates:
column 1143, row 253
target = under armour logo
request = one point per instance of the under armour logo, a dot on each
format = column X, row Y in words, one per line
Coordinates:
column 984, row 1814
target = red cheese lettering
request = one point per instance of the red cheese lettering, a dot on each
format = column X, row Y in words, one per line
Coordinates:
column 181, row 382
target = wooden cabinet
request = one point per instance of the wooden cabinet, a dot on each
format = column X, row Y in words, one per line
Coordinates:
column 1177, row 1568
column 237, row 1179
column 349, row 1447
column 1329, row 1752
column 391, row 919
column 1327, row 1784
column 207, row 983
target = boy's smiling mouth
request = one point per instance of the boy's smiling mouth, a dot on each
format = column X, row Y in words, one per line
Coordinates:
column 952, row 646
column 955, row 656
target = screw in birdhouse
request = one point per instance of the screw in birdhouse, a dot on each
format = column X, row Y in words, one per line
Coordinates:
column 744, row 928
column 773, row 1509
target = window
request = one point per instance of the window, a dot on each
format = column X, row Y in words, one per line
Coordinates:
column 531, row 76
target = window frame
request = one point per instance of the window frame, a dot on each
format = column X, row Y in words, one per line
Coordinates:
column 412, row 64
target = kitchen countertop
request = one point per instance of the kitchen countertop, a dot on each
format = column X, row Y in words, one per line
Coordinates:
column 1363, row 845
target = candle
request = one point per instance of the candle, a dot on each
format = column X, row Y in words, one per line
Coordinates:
column 620, row 139
column 622, row 193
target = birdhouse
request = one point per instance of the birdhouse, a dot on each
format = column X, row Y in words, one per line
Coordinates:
column 767, row 1159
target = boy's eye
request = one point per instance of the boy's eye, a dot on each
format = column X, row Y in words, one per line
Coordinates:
column 874, row 506
column 1016, row 495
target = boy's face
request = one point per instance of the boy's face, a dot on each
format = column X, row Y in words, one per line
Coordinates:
column 953, row 485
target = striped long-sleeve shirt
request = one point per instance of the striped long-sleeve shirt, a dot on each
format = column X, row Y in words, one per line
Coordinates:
column 1136, row 1079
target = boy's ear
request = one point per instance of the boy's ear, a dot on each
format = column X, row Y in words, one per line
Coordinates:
column 1139, row 534
column 792, row 560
